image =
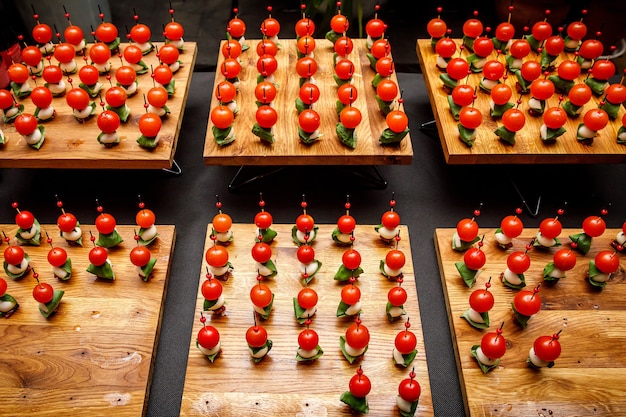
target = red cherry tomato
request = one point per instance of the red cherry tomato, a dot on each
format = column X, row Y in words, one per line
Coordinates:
column 64, row 52
column 397, row 296
column 541, row 30
column 41, row 97
column 568, row 70
column 168, row 53
column 270, row 27
column 6, row 99
column 564, row 259
column 542, row 89
column 344, row 69
column 547, row 348
column 208, row 337
column 339, row 23
column 309, row 120
column 607, row 261
column 98, row 255
column 307, row 298
column 43, row 293
column 436, row 27
column 520, row 48
column 125, row 75
column 385, row 66
column 261, row 252
column 105, row 223
column 266, row 116
column 357, row 336
column 256, row 336
column 222, row 117
column 395, row 259
column 305, row 27
column 31, row 55
column 265, row 92
column 579, row 94
column 493, row 345
column 577, row 30
column 140, row 33
column 163, row 74
column 24, row 219
column 88, row 74
column 555, row 117
column 501, row 93
column 505, row 32
column 375, row 28
column 472, row 28
column 115, row 96
column 145, row 218
column 132, row 54
column 457, row 68
column 380, row 48
column 343, row 46
column 550, row 228
column 405, row 342
column 390, row 219
column 108, row 121
column 518, row 262
column 157, row 96
column 261, row 295
column 387, row 90
column 211, row 289
column 615, row 93
column 350, row 117
column 222, row 222
column 42, row 33
column 308, row 339
column 397, row 120
column 266, row 47
column 306, row 44
column 267, row 65
column 140, row 256
column 463, row 94
column 351, row 259
column 596, row 119
column 348, row 93
column 483, row 46
column 470, row 117
column 3, row 286
column 306, row 254
column 350, row 294
column 594, row 226
column 150, row 125
column 591, row 49
column 216, row 256
column 14, row 255
column 527, row 302
column 481, row 300
column 554, row 45
column 25, row 123
column 467, row 229
column 474, row 258
column 309, row 93
column 305, row 223
column 512, row 226
column 99, row 53
column 306, row 67
column 67, row 222
column 493, row 70
column 174, row 31
column 346, row 224
column 360, row 386
column 53, row 74
column 530, row 70
column 106, row 32
column 513, row 119
column 409, row 390
column 18, row 73
column 263, row 220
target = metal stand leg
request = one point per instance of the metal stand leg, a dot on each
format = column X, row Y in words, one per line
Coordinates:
column 533, row 213
column 428, row 125
column 375, row 180
column 175, row 170
column 236, row 183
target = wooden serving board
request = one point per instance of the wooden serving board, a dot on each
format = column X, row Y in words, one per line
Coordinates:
column 248, row 149
column 94, row 356
column 528, row 148
column 589, row 376
column 72, row 144
column 279, row 385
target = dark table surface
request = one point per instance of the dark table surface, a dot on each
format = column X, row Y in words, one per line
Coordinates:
column 430, row 194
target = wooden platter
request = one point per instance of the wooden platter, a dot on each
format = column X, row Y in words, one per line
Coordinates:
column 94, row 356
column 72, row 144
column 587, row 379
column 529, row 148
column 247, row 149
column 279, row 386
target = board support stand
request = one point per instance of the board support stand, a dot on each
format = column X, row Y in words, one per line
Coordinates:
column 533, row 213
column 175, row 169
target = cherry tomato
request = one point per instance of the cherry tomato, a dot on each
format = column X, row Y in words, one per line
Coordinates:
column 554, row 45
column 57, row 257
column 305, row 27
column 31, row 55
column 157, row 96
column 577, row 30
column 150, row 125
column 236, row 27
column 501, row 94
column 132, row 54
column 305, row 223
column 99, row 53
column 493, row 70
column 108, row 121
column 261, row 295
column 145, row 218
column 222, row 117
column 472, row 28
column 380, row 48
column 88, row 74
column 505, row 31
column 457, row 68
column 6, row 99
column 343, row 46
column 163, row 74
column 348, row 93
column 265, row 92
column 360, row 385
column 216, row 256
column 174, row 31
column 615, row 93
column 387, row 90
column 512, row 226
column 25, row 123
column 445, row 47
column 513, row 119
column 43, row 293
column 256, row 336
column 53, row 74
column 541, row 30
column 140, row 255
column 518, row 262
column 339, row 23
column 41, row 97
column 14, row 255
column 436, row 27
column 344, row 68
column 527, row 302
column 64, row 52
column 350, row 117
column 385, row 66
column 554, row 117
column 267, row 65
column 607, row 261
column 594, row 226
column 568, row 70
column 3, row 287
column 306, row 67
column 222, row 222
column 483, row 46
column 105, row 223
column 261, row 252
column 67, row 222
column 547, row 348
column 591, row 49
column 481, row 300
column 73, row 35
column 405, row 342
column 375, row 28
column 211, row 289
column 42, row 33
column 493, row 345
column 351, row 259
column 106, row 32
column 467, row 229
column 18, row 73
column 550, row 228
column 463, row 94
column 266, row 116
column 115, row 96
column 565, row 259
column 596, row 119
column 395, row 259
column 309, row 120
column 168, row 53
column 208, row 337
column 306, row 44
column 309, row 93
column 307, row 298
column 470, row 117
column 346, row 224
column 357, row 336
column 397, row 296
column 306, row 254
column 520, row 48
column 530, row 70
column 308, row 339
column 98, row 255
column 390, row 219
column 474, row 258
column 125, row 75
column 24, row 219
column 579, row 94
column 397, row 120
column 409, row 390
column 270, row 27
column 263, row 220
column 266, row 47
column 140, row 33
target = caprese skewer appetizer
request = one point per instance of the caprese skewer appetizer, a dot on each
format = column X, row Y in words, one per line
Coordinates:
column 350, row 303
column 517, row 263
column 511, row 227
column 493, row 71
column 346, row 224
column 217, row 259
column 309, row 122
column 33, row 59
column 472, row 29
column 42, row 34
column 134, row 57
column 262, row 255
column 551, row 49
column 385, row 67
column 116, row 101
column 174, row 32
column 126, row 78
column 549, row 230
column 462, row 95
column 8, row 304
column 266, row 117
column 554, row 118
column 263, row 220
column 380, row 48
column 108, row 122
column 10, row 107
column 593, row 226
column 567, row 72
column 65, row 54
column 490, row 351
column 436, row 27
column 100, row 56
column 258, row 342
column 349, row 119
column 473, row 259
column 222, row 119
column 221, row 224
column 107, row 32
column 208, row 340
column 69, row 226
column 59, row 260
column 305, row 26
column 149, row 126
column 344, row 71
column 236, row 29
column 305, row 47
column 602, row 267
column 593, row 121
column 529, row 72
column 513, row 120
column 16, row 261
column 74, row 35
column 342, row 48
column 350, row 265
column 601, row 71
column 306, row 67
column 356, row 398
column 141, row 257
column 445, row 48
column 499, row 103
column 544, row 351
column 162, row 75
column 140, row 34
column 53, row 77
column 168, row 55
column 262, row 298
column 41, row 97
column 504, row 33
column 404, row 350
column 108, row 236
column 99, row 263
column 339, row 25
column 226, row 93
column 305, row 304
column 397, row 125
column 620, row 239
column 519, row 50
column 34, row 134
column 29, row 229
column 309, row 348
column 89, row 80
column 308, row 266
column 621, row 132
column 480, row 301
column 308, row 95
column 304, row 224
column 409, row 392
column 466, row 233
column 614, row 96
column 540, row 90
column 78, row 99
column 470, row 119
column 47, row 297
column 212, row 291
column 270, row 28
column 526, row 304
column 563, row 260
column 356, row 340
column 389, row 226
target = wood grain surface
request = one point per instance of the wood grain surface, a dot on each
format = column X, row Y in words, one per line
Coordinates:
column 72, row 144
column 94, row 356
column 279, row 386
column 248, row 149
column 528, row 148
column 590, row 375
